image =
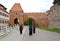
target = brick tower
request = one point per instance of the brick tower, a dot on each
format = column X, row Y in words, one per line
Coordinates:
column 16, row 14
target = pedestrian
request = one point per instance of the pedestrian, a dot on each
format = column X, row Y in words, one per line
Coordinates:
column 30, row 30
column 21, row 28
column 34, row 28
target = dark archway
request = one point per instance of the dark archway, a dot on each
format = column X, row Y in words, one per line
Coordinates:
column 16, row 21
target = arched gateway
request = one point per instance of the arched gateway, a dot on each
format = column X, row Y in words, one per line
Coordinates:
column 16, row 21
column 17, row 15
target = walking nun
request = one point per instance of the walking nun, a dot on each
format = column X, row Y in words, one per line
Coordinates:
column 30, row 30
column 21, row 28
column 33, row 27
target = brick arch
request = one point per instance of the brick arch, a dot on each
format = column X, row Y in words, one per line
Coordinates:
column 18, row 16
column 16, row 21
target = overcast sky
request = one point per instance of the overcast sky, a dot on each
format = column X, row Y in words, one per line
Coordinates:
column 29, row 5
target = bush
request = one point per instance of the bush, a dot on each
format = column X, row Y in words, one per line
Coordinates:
column 29, row 21
column 56, row 2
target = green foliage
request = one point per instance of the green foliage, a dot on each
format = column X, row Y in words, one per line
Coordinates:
column 55, row 30
column 56, row 2
column 29, row 21
column 52, row 30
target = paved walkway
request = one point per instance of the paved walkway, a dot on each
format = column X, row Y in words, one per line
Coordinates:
column 15, row 36
column 40, row 35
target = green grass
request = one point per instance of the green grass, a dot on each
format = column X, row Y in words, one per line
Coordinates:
column 52, row 30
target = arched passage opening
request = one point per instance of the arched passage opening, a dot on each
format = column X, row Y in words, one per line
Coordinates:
column 16, row 21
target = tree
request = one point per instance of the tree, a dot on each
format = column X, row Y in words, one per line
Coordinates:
column 29, row 21
column 56, row 2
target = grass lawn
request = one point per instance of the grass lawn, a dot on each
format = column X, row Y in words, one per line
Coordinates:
column 53, row 30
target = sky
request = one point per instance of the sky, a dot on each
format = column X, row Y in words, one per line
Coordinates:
column 29, row 5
